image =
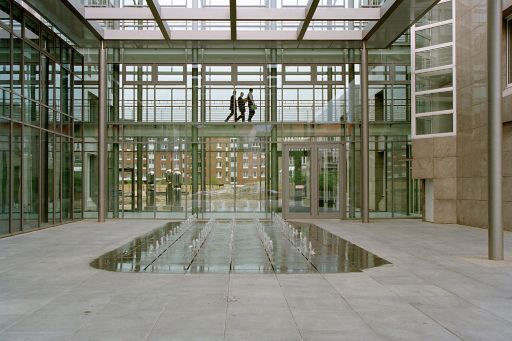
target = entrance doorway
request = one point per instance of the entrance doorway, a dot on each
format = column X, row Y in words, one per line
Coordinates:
column 314, row 180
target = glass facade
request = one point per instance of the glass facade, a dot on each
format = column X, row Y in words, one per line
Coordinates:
column 39, row 76
column 433, row 59
column 170, row 152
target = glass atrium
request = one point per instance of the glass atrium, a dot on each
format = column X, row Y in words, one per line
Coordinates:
column 117, row 108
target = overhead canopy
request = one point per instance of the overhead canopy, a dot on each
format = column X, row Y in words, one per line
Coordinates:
column 380, row 22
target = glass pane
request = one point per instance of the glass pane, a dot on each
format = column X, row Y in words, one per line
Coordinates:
column 434, row 58
column 434, row 102
column 434, row 124
column 30, row 178
column 4, row 13
column 4, row 176
column 5, row 54
column 439, row 13
column 299, row 189
column 434, row 80
column 17, row 47
column 329, row 180
column 509, row 34
column 434, row 36
column 31, row 72
column 66, row 178
column 4, row 103
column 17, row 179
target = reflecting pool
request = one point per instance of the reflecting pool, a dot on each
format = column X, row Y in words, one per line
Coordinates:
column 240, row 247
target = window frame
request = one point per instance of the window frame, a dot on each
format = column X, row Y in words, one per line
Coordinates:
column 509, row 50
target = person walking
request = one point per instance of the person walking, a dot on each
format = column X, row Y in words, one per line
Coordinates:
column 232, row 107
column 251, row 104
column 241, row 108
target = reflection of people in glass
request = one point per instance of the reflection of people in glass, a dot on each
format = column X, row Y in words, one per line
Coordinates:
column 252, row 106
column 241, row 107
column 232, row 106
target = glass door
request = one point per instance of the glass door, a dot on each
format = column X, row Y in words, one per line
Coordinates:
column 297, row 181
column 313, row 181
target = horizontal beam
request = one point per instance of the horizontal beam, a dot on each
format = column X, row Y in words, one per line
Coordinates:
column 223, row 13
column 138, row 35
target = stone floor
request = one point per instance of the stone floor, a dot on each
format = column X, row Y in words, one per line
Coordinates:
column 439, row 287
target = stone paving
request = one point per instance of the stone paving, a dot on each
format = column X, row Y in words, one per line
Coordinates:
column 439, row 287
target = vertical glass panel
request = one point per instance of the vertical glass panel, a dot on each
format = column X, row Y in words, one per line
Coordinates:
column 58, row 178
column 4, row 176
column 31, row 72
column 17, row 57
column 50, row 178
column 438, row 101
column 5, row 58
column 16, row 177
column 299, row 189
column 5, row 101
column 31, row 112
column 30, row 178
column 17, row 20
column 78, row 176
column 31, row 29
column 434, row 124
column 65, row 91
column 329, row 180
column 66, row 178
column 5, row 10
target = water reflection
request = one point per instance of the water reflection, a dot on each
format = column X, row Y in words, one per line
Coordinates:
column 166, row 250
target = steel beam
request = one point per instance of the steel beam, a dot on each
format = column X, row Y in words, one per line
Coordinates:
column 232, row 18
column 310, row 12
column 155, row 9
column 102, row 133
column 365, row 138
column 495, row 129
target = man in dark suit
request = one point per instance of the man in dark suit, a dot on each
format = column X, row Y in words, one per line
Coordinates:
column 232, row 107
column 241, row 107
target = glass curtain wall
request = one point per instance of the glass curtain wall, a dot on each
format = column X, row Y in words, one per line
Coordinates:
column 171, row 153
column 38, row 100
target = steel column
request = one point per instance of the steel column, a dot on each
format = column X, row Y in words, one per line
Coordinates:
column 365, row 137
column 495, row 129
column 102, row 132
column 195, row 137
column 274, row 162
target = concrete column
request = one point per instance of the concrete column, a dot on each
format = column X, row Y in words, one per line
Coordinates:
column 495, row 129
column 365, row 138
column 102, row 133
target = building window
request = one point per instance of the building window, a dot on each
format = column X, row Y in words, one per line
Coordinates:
column 219, row 175
column 433, row 84
column 219, row 164
column 218, row 155
column 509, row 50
column 245, row 174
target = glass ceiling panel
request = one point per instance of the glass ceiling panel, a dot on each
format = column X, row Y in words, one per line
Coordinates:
column 128, row 25
column 189, row 25
column 337, row 25
column 225, row 3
